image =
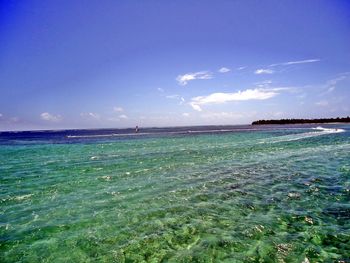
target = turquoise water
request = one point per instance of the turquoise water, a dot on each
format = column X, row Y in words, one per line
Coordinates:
column 274, row 195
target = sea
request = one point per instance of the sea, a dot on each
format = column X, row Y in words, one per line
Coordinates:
column 278, row 193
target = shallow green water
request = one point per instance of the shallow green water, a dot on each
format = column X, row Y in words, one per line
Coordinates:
column 263, row 196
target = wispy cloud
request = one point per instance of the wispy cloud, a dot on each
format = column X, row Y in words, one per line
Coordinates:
column 263, row 84
column 277, row 114
column 222, row 115
column 271, row 71
column 184, row 79
column 160, row 89
column 302, row 61
column 123, row 116
column 176, row 97
column 331, row 84
column 195, row 106
column 296, row 62
column 1, row 115
column 322, row 103
column 118, row 109
column 330, row 89
column 264, row 71
column 219, row 98
column 50, row 117
column 185, row 114
column 90, row 115
column 267, row 85
column 224, row 70
column 241, row 68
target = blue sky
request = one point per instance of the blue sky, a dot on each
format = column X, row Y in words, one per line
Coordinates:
column 94, row 64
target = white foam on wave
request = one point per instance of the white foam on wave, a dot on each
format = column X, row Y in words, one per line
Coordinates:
column 300, row 136
column 150, row 133
column 164, row 133
column 22, row 197
column 109, row 135
column 328, row 130
column 18, row 197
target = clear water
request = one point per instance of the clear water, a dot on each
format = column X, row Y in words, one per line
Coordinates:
column 269, row 195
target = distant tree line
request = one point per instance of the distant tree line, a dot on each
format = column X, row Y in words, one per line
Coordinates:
column 300, row 121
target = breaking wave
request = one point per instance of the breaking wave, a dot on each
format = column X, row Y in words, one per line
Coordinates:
column 318, row 131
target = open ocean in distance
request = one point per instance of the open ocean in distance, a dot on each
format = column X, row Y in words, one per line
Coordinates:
column 189, row 194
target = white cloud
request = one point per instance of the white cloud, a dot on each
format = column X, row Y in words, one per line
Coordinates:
column 330, row 89
column 291, row 89
column 263, row 84
column 160, row 89
column 222, row 115
column 264, row 71
column 227, row 117
column 123, row 116
column 185, row 114
column 175, row 96
column 118, row 109
column 224, row 70
column 195, row 106
column 94, row 115
column 296, row 62
column 330, row 85
column 50, row 117
column 91, row 115
column 333, row 82
column 240, row 68
column 277, row 114
column 114, row 119
column 184, row 79
column 266, row 85
column 302, row 61
column 322, row 103
column 219, row 98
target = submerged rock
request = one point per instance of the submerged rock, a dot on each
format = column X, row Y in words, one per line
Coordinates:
column 309, row 220
column 294, row 195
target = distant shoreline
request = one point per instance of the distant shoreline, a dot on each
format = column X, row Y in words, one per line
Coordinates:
column 304, row 121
